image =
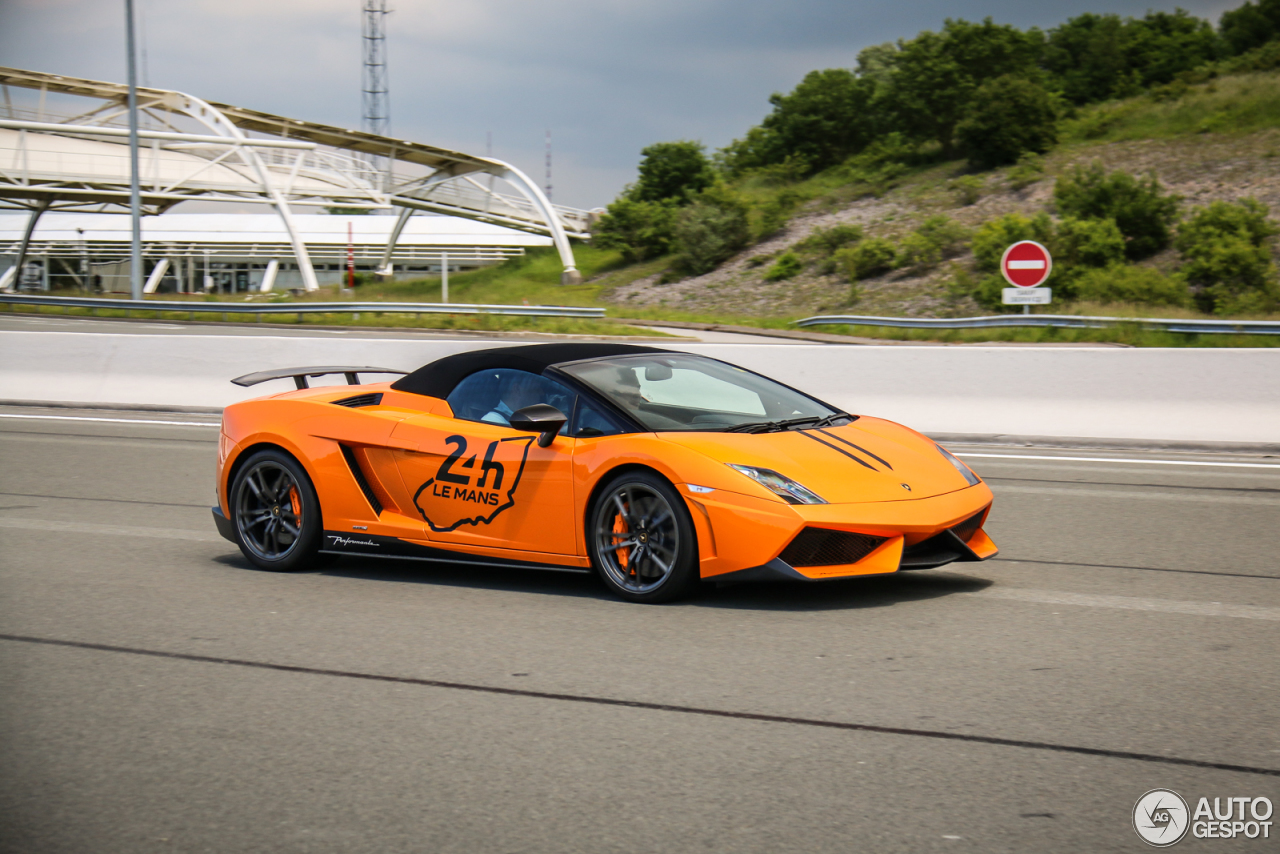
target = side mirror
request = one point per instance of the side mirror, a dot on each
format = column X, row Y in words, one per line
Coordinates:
column 541, row 418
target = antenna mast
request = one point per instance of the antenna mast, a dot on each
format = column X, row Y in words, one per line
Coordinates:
column 548, row 165
column 375, row 100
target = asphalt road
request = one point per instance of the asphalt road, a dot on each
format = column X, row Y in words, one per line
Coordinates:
column 160, row 695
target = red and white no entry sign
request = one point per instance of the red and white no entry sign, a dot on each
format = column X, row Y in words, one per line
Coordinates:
column 1026, row 264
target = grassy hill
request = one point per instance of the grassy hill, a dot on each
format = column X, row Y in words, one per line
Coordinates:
column 1214, row 141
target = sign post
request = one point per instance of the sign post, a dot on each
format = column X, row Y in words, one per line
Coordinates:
column 1026, row 265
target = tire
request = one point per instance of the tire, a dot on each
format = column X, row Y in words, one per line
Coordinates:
column 276, row 513
column 658, row 561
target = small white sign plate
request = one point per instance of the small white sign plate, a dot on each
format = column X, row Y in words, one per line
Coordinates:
column 1026, row 296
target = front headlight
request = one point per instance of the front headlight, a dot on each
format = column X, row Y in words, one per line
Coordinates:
column 779, row 484
column 971, row 478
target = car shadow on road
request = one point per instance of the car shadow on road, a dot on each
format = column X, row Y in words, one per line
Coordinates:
column 408, row 571
column 877, row 591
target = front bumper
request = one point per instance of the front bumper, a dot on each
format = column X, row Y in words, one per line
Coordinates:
column 757, row 540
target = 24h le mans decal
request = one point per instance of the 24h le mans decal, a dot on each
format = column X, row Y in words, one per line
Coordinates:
column 452, row 495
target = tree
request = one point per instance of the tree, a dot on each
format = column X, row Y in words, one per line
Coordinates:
column 935, row 75
column 1007, row 117
column 711, row 230
column 675, row 171
column 1142, row 210
column 1163, row 45
column 1250, row 26
column 819, row 123
column 1096, row 57
column 1086, row 57
column 639, row 230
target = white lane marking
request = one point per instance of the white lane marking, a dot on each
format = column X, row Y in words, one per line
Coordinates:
column 111, row 530
column 1025, row 265
column 110, row 420
column 1207, row 498
column 1127, row 603
column 1116, row 460
column 68, row 319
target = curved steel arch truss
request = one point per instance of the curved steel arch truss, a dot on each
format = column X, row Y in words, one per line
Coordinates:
column 56, row 153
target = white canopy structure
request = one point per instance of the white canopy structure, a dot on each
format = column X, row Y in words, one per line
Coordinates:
column 64, row 147
column 232, row 253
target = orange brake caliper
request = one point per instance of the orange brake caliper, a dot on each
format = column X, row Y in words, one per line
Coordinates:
column 295, row 500
column 620, row 527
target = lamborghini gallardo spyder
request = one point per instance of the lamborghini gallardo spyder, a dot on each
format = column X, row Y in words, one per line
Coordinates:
column 655, row 469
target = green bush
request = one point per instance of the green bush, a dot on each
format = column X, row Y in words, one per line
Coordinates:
column 994, row 237
column 1007, row 117
column 868, row 258
column 638, row 230
column 1029, row 170
column 1087, row 243
column 710, row 231
column 881, row 163
column 1126, row 283
column 1141, row 209
column 785, row 267
column 937, row 237
column 989, row 293
column 1226, row 258
column 775, row 212
column 968, row 189
column 826, row 241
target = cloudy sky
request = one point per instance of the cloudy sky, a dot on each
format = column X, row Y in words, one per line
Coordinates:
column 606, row 77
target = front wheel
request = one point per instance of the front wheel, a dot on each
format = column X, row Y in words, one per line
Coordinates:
column 276, row 512
column 642, row 540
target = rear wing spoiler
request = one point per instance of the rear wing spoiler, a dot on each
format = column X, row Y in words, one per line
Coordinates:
column 300, row 375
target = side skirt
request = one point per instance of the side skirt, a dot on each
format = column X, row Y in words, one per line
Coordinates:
column 371, row 545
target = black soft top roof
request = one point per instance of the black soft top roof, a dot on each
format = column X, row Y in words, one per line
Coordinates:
column 438, row 378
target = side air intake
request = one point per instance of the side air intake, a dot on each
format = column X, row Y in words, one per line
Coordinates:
column 823, row 547
column 360, row 400
column 363, row 482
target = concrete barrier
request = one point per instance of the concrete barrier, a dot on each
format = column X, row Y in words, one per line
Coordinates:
column 1219, row 395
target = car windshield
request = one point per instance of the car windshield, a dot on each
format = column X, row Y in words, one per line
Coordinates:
column 667, row 392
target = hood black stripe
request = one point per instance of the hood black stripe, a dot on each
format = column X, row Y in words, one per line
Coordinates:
column 857, row 460
column 885, row 463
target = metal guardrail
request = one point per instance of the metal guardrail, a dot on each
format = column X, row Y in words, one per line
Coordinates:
column 260, row 309
column 1062, row 321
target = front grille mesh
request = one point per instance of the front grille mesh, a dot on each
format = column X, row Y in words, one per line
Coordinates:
column 966, row 529
column 821, row 547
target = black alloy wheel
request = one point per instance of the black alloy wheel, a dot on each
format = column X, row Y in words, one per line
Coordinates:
column 642, row 539
column 276, row 512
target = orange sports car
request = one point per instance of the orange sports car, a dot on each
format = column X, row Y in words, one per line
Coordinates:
column 653, row 468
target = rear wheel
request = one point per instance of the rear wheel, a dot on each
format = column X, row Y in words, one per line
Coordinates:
column 642, row 540
column 276, row 512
